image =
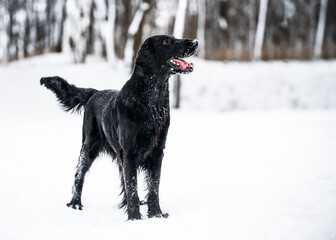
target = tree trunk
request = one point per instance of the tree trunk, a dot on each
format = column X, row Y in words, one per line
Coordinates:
column 58, row 47
column 201, row 28
column 259, row 37
column 252, row 25
column 109, row 38
column 177, row 91
column 3, row 32
column 178, row 33
column 320, row 29
column 132, row 30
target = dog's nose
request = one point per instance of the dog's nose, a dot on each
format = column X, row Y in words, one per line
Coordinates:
column 193, row 43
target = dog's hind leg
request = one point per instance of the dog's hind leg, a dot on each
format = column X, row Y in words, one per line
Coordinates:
column 89, row 152
column 122, row 181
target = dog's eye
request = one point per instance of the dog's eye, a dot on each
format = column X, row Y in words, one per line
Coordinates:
column 166, row 41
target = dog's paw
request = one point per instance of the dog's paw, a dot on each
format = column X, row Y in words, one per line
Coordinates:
column 133, row 217
column 158, row 215
column 75, row 204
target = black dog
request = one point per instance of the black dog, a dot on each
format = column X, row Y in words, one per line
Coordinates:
column 131, row 124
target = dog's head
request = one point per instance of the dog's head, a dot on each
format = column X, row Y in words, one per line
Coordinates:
column 164, row 54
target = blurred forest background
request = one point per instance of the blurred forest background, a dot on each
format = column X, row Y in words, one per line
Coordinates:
column 114, row 29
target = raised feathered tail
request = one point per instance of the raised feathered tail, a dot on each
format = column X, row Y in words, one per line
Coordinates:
column 71, row 97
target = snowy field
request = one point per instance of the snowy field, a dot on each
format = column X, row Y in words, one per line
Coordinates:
column 245, row 175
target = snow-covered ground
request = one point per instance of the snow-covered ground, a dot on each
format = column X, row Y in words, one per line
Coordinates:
column 260, row 86
column 226, row 175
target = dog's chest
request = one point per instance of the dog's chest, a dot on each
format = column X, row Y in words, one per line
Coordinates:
column 156, row 103
column 157, row 116
column 155, row 126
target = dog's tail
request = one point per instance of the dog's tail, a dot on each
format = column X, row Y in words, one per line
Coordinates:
column 71, row 97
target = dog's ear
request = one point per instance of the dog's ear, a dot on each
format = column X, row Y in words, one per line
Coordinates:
column 147, row 45
column 140, row 71
column 146, row 59
column 146, row 50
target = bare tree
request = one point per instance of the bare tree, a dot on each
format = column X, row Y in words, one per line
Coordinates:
column 109, row 37
column 259, row 37
column 3, row 31
column 251, row 27
column 320, row 28
column 178, row 33
column 201, row 27
column 132, row 30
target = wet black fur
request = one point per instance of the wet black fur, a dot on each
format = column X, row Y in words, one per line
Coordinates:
column 131, row 124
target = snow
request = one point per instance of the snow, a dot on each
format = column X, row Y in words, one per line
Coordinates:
column 223, row 23
column 259, row 86
column 226, row 174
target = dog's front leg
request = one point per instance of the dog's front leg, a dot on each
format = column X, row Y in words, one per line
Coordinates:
column 131, row 187
column 153, row 183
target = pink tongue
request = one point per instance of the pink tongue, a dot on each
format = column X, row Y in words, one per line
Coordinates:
column 183, row 64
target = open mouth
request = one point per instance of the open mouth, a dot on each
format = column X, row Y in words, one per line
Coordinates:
column 179, row 65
